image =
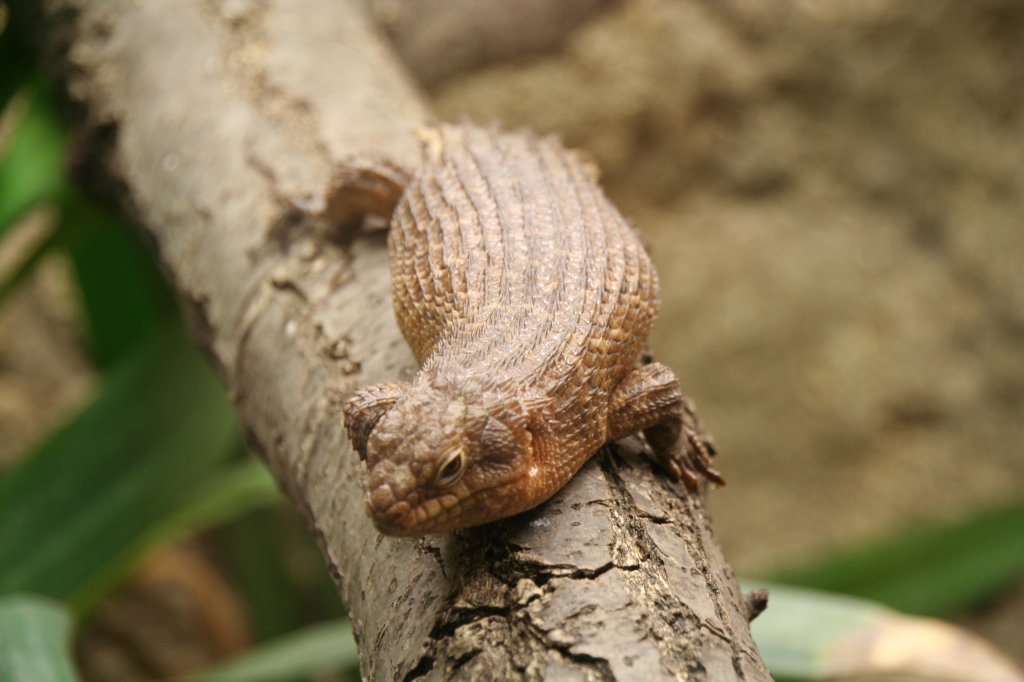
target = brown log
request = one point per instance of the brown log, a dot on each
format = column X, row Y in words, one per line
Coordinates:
column 220, row 124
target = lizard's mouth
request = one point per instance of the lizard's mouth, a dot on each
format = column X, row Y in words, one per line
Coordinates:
column 411, row 517
column 404, row 519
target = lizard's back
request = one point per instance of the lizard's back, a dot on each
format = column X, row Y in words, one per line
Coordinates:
column 527, row 300
column 509, row 263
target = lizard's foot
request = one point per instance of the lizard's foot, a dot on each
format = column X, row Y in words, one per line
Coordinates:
column 649, row 400
column 688, row 458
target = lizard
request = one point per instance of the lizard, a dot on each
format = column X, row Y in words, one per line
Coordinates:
column 527, row 300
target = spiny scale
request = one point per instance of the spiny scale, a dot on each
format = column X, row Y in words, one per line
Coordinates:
column 507, row 260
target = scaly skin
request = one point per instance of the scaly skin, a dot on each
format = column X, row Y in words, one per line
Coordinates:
column 527, row 301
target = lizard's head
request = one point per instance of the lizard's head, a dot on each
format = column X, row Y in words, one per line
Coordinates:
column 450, row 457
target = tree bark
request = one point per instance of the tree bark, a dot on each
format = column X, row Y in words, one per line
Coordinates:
column 219, row 125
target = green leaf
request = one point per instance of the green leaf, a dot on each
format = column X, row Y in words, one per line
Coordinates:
column 276, row 567
column 35, row 638
column 31, row 168
column 936, row 570
column 224, row 496
column 75, row 510
column 125, row 298
column 807, row 634
column 314, row 650
column 237, row 490
column 256, row 560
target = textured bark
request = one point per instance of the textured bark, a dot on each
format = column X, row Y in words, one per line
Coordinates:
column 220, row 125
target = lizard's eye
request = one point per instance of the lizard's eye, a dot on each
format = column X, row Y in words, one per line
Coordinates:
column 451, row 468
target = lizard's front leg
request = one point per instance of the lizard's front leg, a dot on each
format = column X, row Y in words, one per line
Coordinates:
column 366, row 407
column 649, row 400
column 360, row 186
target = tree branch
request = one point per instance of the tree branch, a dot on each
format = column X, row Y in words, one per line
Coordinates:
column 220, row 123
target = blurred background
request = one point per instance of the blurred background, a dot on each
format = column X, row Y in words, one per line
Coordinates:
column 833, row 193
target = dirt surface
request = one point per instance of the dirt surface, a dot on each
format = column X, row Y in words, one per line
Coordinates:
column 833, row 194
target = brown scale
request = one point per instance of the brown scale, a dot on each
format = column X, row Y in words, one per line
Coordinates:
column 527, row 301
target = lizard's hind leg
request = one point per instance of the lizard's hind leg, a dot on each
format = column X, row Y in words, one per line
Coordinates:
column 649, row 400
column 365, row 185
